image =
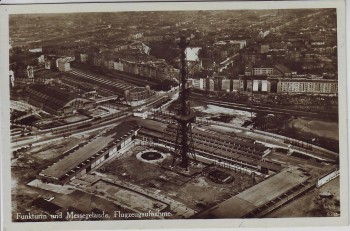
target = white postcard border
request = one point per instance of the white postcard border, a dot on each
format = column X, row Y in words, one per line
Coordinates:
column 166, row 224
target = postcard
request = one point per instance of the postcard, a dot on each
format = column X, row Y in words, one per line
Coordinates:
column 174, row 115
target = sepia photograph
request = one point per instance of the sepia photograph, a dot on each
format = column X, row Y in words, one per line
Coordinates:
column 197, row 114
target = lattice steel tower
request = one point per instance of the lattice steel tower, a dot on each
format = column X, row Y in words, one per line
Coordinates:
column 184, row 143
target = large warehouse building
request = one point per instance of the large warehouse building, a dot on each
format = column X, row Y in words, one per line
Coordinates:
column 94, row 152
column 237, row 151
column 54, row 100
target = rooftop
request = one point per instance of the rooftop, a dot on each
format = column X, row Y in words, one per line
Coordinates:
column 257, row 195
column 70, row 162
column 263, row 64
column 282, row 68
column 52, row 96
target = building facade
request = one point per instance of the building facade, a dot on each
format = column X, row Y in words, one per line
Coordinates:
column 63, row 65
column 310, row 86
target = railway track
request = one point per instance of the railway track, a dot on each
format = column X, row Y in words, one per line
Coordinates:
column 260, row 108
column 68, row 131
column 139, row 81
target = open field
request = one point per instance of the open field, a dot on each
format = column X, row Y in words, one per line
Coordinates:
column 133, row 200
column 238, row 116
column 204, row 192
column 320, row 128
column 40, row 156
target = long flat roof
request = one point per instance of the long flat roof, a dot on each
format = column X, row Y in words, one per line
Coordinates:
column 250, row 199
column 170, row 136
column 309, row 80
column 69, row 162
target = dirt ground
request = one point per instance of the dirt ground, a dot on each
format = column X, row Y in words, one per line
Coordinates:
column 39, row 157
column 131, row 199
column 238, row 116
column 25, row 168
column 311, row 205
column 197, row 192
column 86, row 202
column 314, row 168
column 22, row 195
